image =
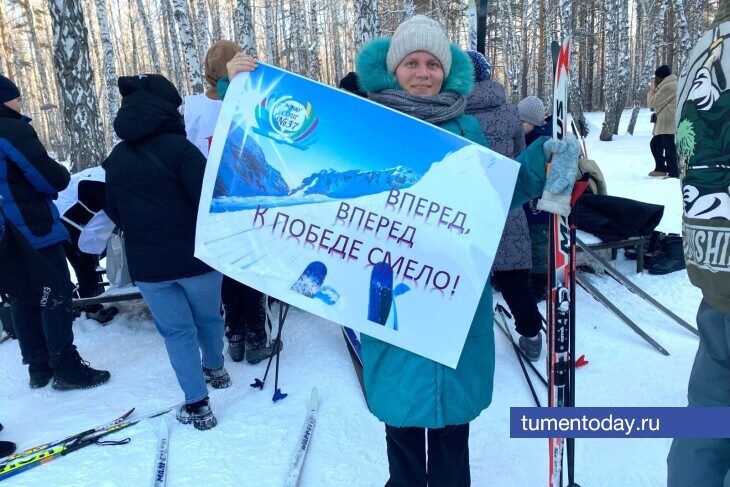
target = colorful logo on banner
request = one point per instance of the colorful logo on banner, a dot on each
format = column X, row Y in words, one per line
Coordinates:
column 286, row 120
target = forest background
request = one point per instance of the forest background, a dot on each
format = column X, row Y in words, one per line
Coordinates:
column 66, row 55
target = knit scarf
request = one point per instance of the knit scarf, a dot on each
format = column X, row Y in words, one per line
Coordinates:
column 432, row 109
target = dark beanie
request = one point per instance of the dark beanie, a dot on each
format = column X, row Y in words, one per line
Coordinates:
column 8, row 90
column 663, row 71
column 154, row 84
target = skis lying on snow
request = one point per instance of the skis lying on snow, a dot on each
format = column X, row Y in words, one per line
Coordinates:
column 295, row 469
column 628, row 284
column 163, row 443
column 70, row 444
column 502, row 325
column 36, row 449
column 593, row 291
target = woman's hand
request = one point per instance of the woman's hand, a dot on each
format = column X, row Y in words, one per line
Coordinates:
column 241, row 63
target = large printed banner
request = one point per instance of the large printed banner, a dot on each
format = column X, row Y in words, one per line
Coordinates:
column 352, row 211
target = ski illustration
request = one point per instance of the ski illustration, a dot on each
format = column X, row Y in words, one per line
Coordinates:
column 381, row 293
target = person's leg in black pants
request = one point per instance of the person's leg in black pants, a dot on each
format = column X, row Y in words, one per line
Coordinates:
column 657, row 150
column 670, row 155
column 516, row 291
column 44, row 332
column 448, row 456
column 406, row 456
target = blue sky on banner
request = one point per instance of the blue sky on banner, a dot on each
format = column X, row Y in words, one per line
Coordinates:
column 338, row 148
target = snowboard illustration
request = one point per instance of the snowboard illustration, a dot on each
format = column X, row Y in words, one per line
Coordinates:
column 311, row 280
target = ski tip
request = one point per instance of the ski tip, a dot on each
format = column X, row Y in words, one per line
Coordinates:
column 581, row 361
column 278, row 395
column 314, row 399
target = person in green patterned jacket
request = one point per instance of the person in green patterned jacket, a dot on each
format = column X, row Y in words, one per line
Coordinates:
column 703, row 149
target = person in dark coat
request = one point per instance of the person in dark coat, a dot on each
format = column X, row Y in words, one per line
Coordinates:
column 34, row 270
column 154, row 178
column 500, row 124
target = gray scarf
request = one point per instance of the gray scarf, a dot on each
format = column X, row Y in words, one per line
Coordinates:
column 432, row 109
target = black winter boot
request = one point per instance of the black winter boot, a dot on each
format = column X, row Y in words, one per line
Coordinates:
column 6, row 448
column 673, row 251
column 73, row 372
column 197, row 413
column 40, row 375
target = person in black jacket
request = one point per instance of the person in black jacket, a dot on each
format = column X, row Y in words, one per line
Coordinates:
column 34, row 271
column 153, row 180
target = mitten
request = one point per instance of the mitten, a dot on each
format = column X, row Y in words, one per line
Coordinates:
column 563, row 155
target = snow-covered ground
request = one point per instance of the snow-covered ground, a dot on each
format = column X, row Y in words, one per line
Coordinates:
column 253, row 442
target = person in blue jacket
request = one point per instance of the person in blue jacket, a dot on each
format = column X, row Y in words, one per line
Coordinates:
column 41, row 305
column 426, row 406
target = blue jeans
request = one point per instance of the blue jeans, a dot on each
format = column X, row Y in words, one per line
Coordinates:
column 187, row 315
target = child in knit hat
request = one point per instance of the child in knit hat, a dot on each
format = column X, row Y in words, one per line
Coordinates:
column 532, row 113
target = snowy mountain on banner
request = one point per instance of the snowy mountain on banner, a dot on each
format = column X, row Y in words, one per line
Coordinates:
column 352, row 184
column 244, row 171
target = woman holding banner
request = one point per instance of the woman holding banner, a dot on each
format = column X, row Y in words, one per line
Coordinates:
column 418, row 72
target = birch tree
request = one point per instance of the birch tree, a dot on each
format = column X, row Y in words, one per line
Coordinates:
column 243, row 26
column 611, row 80
column 149, row 35
column 110, row 70
column 367, row 23
column 192, row 64
column 315, row 71
column 201, row 30
column 76, row 80
column 271, row 51
column 409, row 10
column 172, row 43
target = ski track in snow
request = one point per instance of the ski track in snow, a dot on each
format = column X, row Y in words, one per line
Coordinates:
column 255, row 438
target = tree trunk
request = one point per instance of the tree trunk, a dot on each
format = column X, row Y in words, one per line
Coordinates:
column 202, row 31
column 150, row 36
column 367, row 23
column 315, row 71
column 172, row 45
column 192, row 64
column 609, row 85
column 243, row 27
column 110, row 70
column 271, row 51
column 76, row 79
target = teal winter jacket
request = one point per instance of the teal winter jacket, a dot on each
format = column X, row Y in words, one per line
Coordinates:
column 405, row 389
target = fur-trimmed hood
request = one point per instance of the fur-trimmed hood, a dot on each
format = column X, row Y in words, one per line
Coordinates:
column 374, row 76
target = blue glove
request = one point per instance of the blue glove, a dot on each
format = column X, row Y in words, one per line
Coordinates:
column 563, row 155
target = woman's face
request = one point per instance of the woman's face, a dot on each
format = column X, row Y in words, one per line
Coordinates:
column 420, row 73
